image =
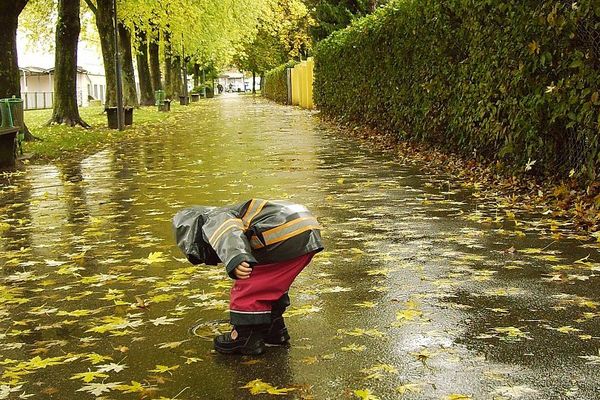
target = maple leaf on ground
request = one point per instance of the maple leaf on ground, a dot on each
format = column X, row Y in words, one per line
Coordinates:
column 362, row 332
column 140, row 303
column 135, row 387
column 98, row 388
column 366, row 304
column 592, row 360
column 155, row 257
column 455, row 396
column 365, row 395
column 354, row 348
column 170, row 345
column 309, row 360
column 6, row 390
column 95, row 358
column 89, row 376
column 380, row 368
column 111, row 367
column 567, row 329
column 409, row 387
column 257, row 386
column 38, row 362
column 191, row 360
column 164, row 321
column 163, row 368
column 308, row 309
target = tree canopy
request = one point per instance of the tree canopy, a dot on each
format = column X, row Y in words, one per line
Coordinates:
column 210, row 31
column 282, row 34
column 332, row 15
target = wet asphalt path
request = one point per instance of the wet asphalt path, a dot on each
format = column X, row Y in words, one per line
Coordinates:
column 426, row 290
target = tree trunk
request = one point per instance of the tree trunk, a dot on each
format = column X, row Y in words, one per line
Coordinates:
column 65, row 110
column 253, row 82
column 10, row 77
column 373, row 5
column 129, row 90
column 104, row 23
column 10, row 84
column 176, row 79
column 168, row 65
column 196, row 74
column 146, row 93
column 153, row 51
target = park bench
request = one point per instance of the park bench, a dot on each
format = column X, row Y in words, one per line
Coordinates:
column 8, row 146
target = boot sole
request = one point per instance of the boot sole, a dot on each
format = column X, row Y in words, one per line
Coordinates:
column 282, row 340
column 241, row 350
column 282, row 344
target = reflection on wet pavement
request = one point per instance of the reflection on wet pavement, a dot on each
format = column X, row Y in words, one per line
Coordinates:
column 424, row 291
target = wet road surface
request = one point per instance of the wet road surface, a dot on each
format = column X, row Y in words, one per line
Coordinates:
column 425, row 290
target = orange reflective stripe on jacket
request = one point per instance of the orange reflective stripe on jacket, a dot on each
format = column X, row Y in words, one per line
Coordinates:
column 255, row 242
column 254, row 208
column 290, row 229
column 224, row 227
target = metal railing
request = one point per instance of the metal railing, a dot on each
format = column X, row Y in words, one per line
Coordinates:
column 43, row 100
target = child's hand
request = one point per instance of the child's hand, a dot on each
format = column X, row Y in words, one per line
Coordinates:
column 242, row 271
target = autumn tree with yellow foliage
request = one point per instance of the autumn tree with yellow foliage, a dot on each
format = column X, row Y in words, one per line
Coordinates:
column 283, row 34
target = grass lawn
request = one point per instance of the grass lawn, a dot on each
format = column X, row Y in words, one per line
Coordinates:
column 58, row 141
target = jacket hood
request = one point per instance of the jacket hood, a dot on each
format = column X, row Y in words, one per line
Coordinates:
column 187, row 225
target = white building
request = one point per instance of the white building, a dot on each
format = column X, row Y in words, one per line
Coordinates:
column 37, row 87
column 235, row 81
column 36, row 63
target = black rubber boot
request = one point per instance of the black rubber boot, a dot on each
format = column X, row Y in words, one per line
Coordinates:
column 243, row 339
column 277, row 334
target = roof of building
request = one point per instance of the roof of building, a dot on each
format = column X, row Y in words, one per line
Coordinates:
column 45, row 71
column 231, row 74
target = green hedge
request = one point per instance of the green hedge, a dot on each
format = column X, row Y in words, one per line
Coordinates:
column 510, row 80
column 275, row 87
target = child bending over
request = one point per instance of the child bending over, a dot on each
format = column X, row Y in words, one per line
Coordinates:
column 264, row 245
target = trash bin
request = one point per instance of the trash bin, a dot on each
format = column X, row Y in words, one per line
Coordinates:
column 159, row 97
column 11, row 110
column 166, row 106
column 184, row 100
column 210, row 93
column 195, row 97
column 7, row 120
column 128, row 116
column 111, row 114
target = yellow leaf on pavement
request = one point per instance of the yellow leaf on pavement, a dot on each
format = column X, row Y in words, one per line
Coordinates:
column 409, row 387
column 365, row 395
column 89, row 376
column 257, row 386
column 455, row 396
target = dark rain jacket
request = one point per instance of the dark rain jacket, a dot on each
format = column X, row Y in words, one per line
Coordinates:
column 257, row 232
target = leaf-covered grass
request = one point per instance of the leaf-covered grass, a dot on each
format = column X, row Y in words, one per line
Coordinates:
column 58, row 141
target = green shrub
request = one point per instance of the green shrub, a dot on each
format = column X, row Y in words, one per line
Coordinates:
column 275, row 85
column 201, row 87
column 510, row 80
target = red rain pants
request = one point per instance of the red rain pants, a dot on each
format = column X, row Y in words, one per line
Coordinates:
column 253, row 299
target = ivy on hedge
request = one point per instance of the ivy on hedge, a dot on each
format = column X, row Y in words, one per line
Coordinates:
column 275, row 87
column 510, row 80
